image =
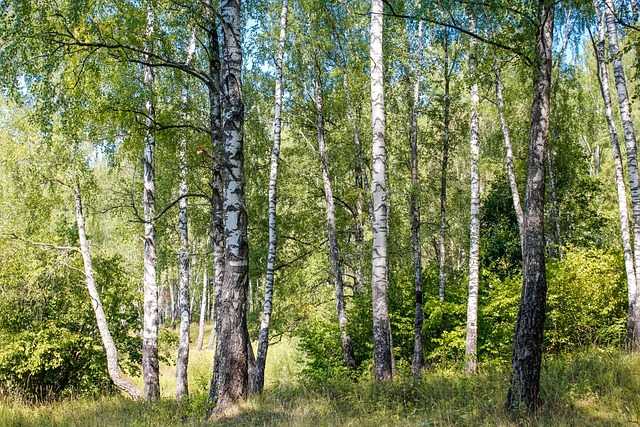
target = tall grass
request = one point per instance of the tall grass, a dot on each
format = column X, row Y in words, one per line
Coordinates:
column 591, row 388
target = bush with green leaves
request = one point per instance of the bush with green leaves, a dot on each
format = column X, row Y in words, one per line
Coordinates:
column 49, row 341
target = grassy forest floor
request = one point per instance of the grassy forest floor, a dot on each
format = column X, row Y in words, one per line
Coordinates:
column 590, row 388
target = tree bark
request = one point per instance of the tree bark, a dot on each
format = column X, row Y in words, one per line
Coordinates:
column 182, row 361
column 257, row 381
column 203, row 309
column 511, row 170
column 414, row 215
column 633, row 325
column 217, row 226
column 443, row 178
column 471, row 345
column 382, row 349
column 232, row 383
column 150, row 364
column 623, row 210
column 334, row 251
column 527, row 347
column 116, row 375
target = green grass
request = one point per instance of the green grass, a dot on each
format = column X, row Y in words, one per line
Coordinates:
column 591, row 388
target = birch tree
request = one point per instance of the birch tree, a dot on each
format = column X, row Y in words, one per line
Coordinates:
column 232, row 382
column 414, row 216
column 527, row 346
column 445, row 160
column 113, row 367
column 382, row 348
column 623, row 210
column 471, row 345
column 182, row 361
column 263, row 339
column 150, row 363
column 633, row 325
column 334, row 251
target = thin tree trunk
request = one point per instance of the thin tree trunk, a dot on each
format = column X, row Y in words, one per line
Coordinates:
column 334, row 251
column 471, row 345
column 232, row 385
column 182, row 362
column 414, row 216
column 443, row 178
column 527, row 346
column 382, row 348
column 203, row 310
column 116, row 375
column 511, row 170
column 633, row 326
column 361, row 180
column 556, row 243
column 623, row 210
column 173, row 304
column 257, row 381
column 150, row 364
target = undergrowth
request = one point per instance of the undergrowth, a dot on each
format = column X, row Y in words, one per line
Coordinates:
column 590, row 388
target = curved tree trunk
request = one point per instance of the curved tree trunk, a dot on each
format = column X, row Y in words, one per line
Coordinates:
column 414, row 215
column 257, row 380
column 527, row 346
column 633, row 326
column 150, row 363
column 182, row 362
column 334, row 251
column 231, row 352
column 471, row 345
column 382, row 347
column 118, row 378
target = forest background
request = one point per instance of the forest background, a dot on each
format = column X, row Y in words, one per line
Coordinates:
column 87, row 85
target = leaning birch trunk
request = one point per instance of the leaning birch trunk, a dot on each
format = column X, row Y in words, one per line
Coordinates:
column 443, row 178
column 203, row 309
column 113, row 367
column 471, row 343
column 382, row 349
column 633, row 328
column 511, row 170
column 232, row 383
column 603, row 77
column 336, row 265
column 414, row 216
column 257, row 380
column 527, row 346
column 150, row 364
column 182, row 362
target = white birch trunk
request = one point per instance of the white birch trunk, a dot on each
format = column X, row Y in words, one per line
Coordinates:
column 443, row 178
column 511, row 170
column 334, row 251
column 633, row 331
column 382, row 349
column 182, row 362
column 150, row 364
column 471, row 344
column 414, row 216
column 633, row 312
column 203, row 309
column 115, row 373
column 257, row 381
column 231, row 352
